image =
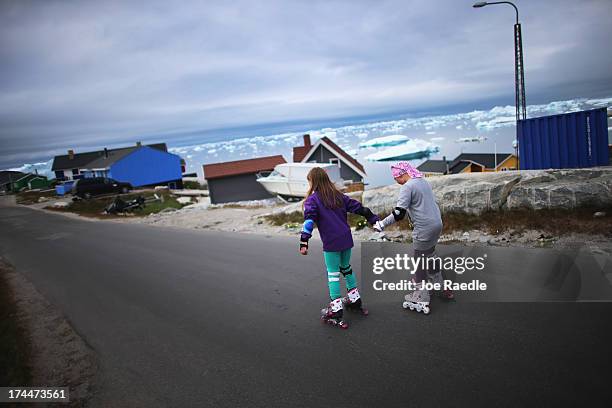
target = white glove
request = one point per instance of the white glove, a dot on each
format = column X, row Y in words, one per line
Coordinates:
column 378, row 226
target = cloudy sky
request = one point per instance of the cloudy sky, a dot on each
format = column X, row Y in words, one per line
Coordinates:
column 79, row 74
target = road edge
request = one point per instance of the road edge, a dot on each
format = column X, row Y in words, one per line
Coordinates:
column 60, row 357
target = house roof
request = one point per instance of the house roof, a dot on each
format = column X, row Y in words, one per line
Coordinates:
column 434, row 166
column 238, row 167
column 300, row 152
column 459, row 166
column 113, row 156
column 485, row 159
column 85, row 159
column 344, row 156
column 30, row 176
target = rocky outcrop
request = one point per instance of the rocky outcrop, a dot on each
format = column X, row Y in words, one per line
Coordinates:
column 475, row 193
column 563, row 189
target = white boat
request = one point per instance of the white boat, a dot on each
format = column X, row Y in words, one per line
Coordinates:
column 384, row 141
column 288, row 180
column 411, row 150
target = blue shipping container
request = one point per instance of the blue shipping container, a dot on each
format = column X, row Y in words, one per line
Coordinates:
column 571, row 140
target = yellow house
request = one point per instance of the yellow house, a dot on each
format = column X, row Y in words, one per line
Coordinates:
column 471, row 163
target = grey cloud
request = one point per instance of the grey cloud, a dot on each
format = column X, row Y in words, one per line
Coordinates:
column 92, row 72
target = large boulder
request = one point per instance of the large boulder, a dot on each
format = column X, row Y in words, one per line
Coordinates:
column 381, row 199
column 475, row 193
column 567, row 189
column 470, row 192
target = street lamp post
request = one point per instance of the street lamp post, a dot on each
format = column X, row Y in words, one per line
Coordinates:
column 519, row 75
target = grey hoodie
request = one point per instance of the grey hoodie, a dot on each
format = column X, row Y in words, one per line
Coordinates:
column 417, row 198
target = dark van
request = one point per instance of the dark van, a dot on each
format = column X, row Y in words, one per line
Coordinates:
column 88, row 187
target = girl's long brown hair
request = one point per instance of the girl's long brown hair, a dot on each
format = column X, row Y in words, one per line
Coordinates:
column 328, row 193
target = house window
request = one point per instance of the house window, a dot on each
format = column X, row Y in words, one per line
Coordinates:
column 262, row 174
column 75, row 172
column 335, row 161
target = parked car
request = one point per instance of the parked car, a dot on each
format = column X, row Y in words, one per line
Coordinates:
column 88, row 187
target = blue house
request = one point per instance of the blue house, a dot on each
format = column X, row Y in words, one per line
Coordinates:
column 138, row 165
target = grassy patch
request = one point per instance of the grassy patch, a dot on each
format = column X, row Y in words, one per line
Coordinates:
column 94, row 207
column 297, row 217
column 32, row 197
column 193, row 185
column 557, row 222
column 353, row 219
column 14, row 344
column 282, row 219
column 157, row 206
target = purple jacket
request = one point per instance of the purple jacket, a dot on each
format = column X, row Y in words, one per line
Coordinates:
column 333, row 227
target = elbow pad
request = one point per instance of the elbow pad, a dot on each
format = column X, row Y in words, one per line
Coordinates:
column 308, row 226
column 399, row 213
column 307, row 230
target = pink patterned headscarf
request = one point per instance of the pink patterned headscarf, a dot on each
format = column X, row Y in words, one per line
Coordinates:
column 404, row 167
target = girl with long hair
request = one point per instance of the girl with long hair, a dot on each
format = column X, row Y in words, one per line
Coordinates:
column 326, row 207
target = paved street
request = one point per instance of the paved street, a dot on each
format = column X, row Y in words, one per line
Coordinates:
column 192, row 318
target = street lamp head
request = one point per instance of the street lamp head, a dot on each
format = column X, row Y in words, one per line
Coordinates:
column 480, row 4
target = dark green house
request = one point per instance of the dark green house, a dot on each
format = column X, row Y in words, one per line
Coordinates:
column 15, row 181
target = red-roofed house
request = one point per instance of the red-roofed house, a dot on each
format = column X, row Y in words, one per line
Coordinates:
column 237, row 180
column 326, row 151
column 299, row 152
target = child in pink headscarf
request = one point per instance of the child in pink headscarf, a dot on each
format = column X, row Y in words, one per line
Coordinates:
column 417, row 201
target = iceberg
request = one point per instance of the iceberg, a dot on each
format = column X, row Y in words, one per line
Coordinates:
column 411, row 150
column 392, row 140
column 477, row 139
column 42, row 168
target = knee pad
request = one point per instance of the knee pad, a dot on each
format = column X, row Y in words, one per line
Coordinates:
column 346, row 270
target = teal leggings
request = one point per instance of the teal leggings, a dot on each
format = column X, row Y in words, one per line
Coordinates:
column 337, row 262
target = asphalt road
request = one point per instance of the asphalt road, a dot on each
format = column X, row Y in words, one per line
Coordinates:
column 189, row 318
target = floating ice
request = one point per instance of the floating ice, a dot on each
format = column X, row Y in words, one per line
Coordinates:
column 384, row 141
column 411, row 150
column 496, row 122
column 475, row 139
column 497, row 119
column 42, row 168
